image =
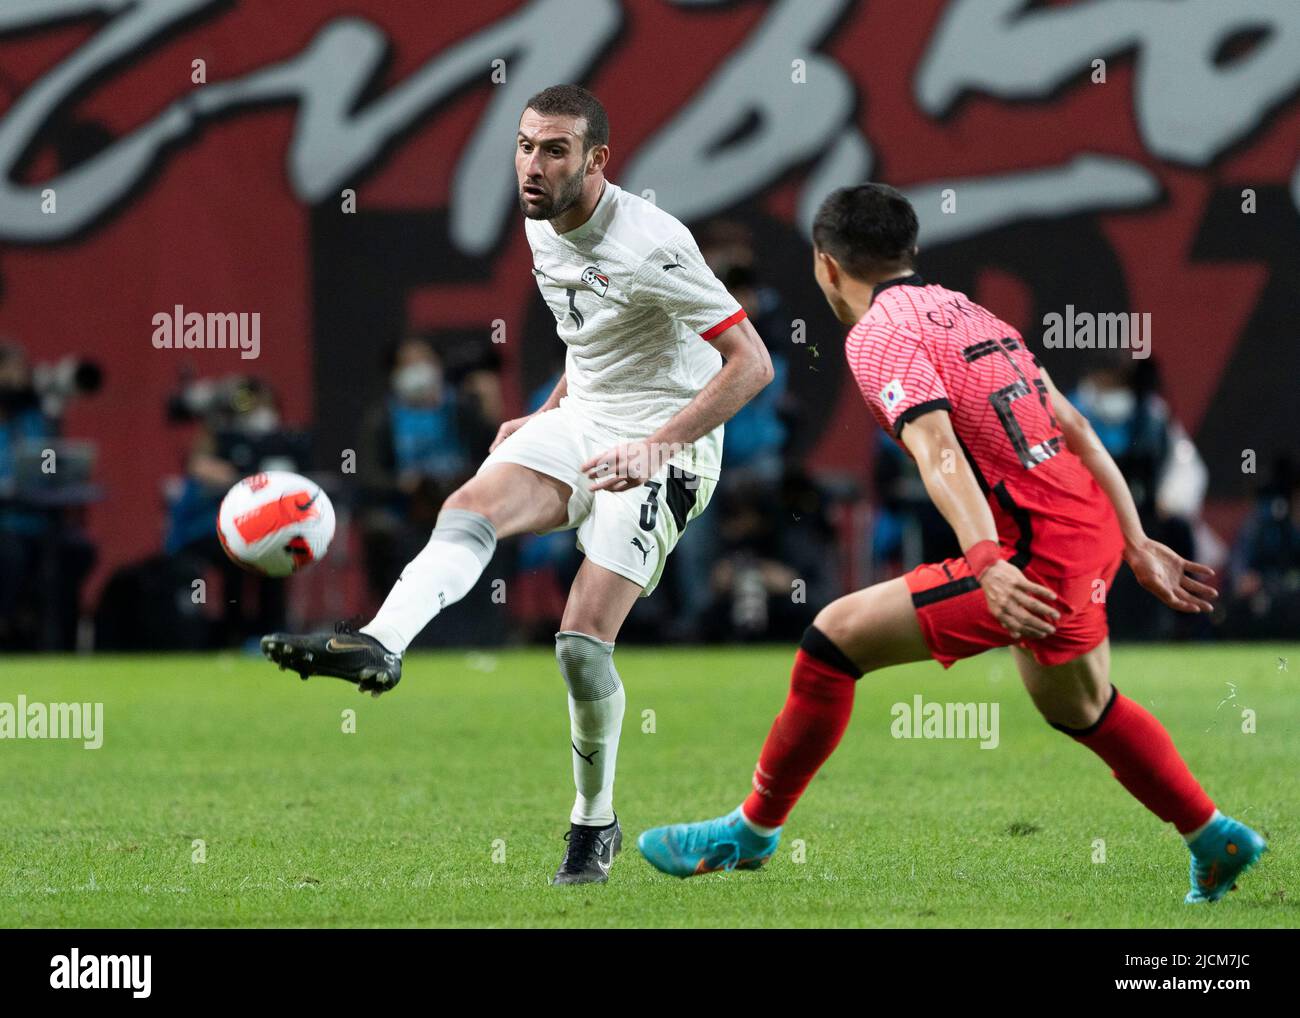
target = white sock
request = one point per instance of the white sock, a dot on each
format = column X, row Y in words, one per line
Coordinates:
column 759, row 829
column 1191, row 836
column 450, row 564
column 594, row 727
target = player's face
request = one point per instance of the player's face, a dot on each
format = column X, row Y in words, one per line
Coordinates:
column 550, row 164
column 828, row 276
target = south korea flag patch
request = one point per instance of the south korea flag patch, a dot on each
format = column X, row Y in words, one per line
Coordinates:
column 892, row 394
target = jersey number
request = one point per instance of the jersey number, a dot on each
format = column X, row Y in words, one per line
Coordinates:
column 1029, row 455
column 650, row 507
column 573, row 307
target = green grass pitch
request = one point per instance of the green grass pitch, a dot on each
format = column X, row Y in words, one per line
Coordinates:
column 447, row 804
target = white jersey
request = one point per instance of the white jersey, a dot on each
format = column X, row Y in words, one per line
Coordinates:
column 636, row 305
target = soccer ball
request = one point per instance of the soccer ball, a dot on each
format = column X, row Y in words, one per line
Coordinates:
column 275, row 523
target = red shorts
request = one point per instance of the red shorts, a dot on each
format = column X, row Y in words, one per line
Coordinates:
column 956, row 621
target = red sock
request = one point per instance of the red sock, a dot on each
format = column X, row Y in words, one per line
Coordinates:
column 1144, row 760
column 806, row 731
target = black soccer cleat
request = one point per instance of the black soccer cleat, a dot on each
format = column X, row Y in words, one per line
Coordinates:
column 345, row 654
column 590, row 854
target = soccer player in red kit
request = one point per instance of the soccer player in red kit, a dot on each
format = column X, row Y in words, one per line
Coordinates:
column 1044, row 517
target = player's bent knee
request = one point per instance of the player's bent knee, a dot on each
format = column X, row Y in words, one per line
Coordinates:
column 587, row 665
column 468, row 497
column 487, row 500
column 840, row 624
column 818, row 644
column 1080, row 717
column 835, row 621
column 461, row 499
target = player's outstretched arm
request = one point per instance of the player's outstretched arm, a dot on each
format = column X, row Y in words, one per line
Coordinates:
column 1160, row 569
column 1020, row 605
column 747, row 370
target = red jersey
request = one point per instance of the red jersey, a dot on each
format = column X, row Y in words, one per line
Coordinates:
column 921, row 348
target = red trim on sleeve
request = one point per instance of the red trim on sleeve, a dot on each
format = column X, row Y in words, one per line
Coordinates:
column 724, row 325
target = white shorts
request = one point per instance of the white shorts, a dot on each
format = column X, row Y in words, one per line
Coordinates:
column 628, row 532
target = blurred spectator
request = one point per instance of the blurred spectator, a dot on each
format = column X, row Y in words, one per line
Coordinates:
column 424, row 440
column 44, row 554
column 417, row 432
column 755, row 438
column 1264, row 600
column 1166, row 475
column 756, row 435
column 417, row 446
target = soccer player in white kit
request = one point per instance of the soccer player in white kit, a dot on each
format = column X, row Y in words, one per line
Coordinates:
column 626, row 450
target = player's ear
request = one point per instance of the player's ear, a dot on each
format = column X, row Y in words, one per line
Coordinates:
column 597, row 158
column 830, row 267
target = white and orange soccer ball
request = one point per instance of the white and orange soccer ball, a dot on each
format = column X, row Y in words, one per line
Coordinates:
column 275, row 523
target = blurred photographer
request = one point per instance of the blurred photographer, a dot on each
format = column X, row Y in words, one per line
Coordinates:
column 148, row 605
column 777, row 559
column 239, row 434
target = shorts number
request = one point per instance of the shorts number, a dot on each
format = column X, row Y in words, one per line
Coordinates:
column 650, row 507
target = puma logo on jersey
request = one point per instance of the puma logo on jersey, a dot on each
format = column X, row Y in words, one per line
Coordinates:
column 645, row 552
column 595, row 279
column 675, row 265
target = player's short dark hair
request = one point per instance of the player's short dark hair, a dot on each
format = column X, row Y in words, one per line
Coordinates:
column 868, row 229
column 574, row 101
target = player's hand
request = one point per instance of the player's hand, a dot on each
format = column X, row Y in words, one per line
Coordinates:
column 1171, row 577
column 507, row 429
column 1022, row 607
column 626, row 466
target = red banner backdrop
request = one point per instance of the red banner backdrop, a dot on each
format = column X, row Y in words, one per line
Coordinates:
column 1165, row 186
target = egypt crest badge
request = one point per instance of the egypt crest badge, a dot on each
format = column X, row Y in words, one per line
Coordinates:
column 595, row 279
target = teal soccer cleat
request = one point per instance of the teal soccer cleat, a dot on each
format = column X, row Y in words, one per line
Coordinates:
column 724, row 843
column 1220, row 854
